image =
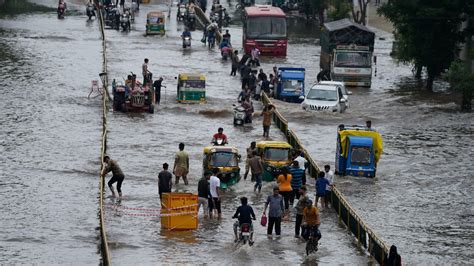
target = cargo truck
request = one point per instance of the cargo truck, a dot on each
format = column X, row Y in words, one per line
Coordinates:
column 346, row 53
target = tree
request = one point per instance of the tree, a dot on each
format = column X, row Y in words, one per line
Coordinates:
column 462, row 79
column 318, row 7
column 360, row 16
column 428, row 32
column 340, row 10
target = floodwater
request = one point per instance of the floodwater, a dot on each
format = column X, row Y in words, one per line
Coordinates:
column 50, row 145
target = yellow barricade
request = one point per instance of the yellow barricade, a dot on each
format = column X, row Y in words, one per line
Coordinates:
column 179, row 211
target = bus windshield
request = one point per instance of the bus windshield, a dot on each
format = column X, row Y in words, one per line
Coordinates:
column 274, row 154
column 224, row 159
column 352, row 59
column 360, row 156
column 266, row 28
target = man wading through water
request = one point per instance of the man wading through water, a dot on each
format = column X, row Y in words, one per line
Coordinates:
column 117, row 175
column 181, row 165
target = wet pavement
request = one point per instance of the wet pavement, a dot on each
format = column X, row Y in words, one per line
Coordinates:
column 420, row 201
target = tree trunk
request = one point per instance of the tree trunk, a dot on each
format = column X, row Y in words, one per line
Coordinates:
column 431, row 77
column 466, row 105
column 419, row 69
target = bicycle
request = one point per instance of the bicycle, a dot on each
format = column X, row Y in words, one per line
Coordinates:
column 312, row 240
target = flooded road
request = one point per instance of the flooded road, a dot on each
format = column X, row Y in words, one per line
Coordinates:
column 420, row 201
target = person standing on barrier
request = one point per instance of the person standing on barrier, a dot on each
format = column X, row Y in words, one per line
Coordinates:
column 165, row 181
column 321, row 184
column 275, row 212
column 284, row 182
column 181, row 165
column 204, row 194
column 214, row 188
column 296, row 182
column 257, row 169
column 267, row 114
column 328, row 174
column 303, row 202
column 117, row 175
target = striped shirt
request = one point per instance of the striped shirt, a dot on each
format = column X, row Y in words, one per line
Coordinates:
column 297, row 181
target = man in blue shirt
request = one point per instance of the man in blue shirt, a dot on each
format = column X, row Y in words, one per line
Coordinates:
column 321, row 184
column 245, row 215
column 297, row 181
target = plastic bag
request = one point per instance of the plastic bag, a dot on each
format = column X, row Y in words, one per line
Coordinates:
column 263, row 220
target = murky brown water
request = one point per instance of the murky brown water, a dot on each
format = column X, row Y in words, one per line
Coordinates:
column 420, row 201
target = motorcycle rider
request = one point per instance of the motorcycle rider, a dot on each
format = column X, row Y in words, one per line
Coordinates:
column 219, row 135
column 245, row 215
column 62, row 6
column 186, row 33
column 248, row 105
column 311, row 220
column 226, row 36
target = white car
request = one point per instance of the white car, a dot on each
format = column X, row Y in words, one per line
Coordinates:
column 327, row 96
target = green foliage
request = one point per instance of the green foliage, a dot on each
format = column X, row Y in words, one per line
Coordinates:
column 462, row 79
column 341, row 9
column 427, row 32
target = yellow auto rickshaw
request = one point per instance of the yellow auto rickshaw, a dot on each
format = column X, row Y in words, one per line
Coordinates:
column 275, row 155
column 155, row 23
column 191, row 88
column 226, row 159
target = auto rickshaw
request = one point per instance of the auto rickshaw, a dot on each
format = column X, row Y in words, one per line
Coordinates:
column 191, row 88
column 226, row 159
column 275, row 155
column 358, row 151
column 155, row 23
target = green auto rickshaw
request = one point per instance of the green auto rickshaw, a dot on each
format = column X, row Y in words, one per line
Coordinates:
column 155, row 23
column 275, row 155
column 191, row 88
column 226, row 159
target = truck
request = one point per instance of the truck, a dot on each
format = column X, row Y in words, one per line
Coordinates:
column 358, row 151
column 346, row 53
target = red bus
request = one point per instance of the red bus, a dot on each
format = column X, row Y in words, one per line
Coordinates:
column 265, row 28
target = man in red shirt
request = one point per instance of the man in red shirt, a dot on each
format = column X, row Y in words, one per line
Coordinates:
column 219, row 135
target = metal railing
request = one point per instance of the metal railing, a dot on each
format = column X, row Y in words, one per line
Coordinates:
column 354, row 223
column 104, row 247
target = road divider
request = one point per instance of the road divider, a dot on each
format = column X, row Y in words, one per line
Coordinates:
column 104, row 246
column 352, row 220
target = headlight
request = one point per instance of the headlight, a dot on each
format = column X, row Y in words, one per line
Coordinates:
column 269, row 168
column 232, row 175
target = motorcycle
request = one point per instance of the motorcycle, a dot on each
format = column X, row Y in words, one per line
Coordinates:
column 244, row 234
column 186, row 41
column 239, row 115
column 181, row 12
column 90, row 11
column 61, row 10
column 313, row 240
column 219, row 142
column 125, row 21
column 225, row 53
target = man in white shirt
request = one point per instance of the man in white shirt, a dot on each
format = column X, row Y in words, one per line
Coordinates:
column 214, row 201
column 301, row 161
column 329, row 175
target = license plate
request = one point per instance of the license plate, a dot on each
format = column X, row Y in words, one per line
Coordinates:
column 245, row 233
